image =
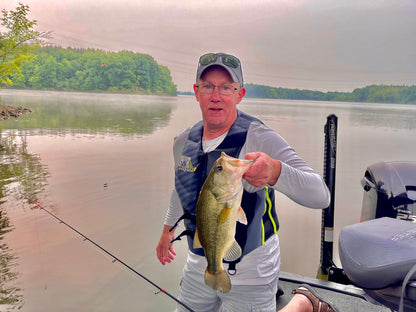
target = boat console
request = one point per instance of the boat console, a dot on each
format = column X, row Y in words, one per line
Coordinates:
column 380, row 257
column 379, row 254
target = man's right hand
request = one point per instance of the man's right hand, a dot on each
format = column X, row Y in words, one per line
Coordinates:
column 164, row 249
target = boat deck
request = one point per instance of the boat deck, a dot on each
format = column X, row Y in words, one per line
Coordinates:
column 343, row 297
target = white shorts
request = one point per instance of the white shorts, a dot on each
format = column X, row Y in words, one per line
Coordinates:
column 242, row 298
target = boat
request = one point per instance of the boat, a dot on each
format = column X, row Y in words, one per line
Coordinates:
column 378, row 254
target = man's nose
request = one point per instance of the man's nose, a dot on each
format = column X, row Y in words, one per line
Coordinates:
column 216, row 92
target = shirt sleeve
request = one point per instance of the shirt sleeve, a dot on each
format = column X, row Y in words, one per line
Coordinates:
column 175, row 210
column 297, row 180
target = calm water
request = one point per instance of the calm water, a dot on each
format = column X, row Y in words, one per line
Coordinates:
column 103, row 164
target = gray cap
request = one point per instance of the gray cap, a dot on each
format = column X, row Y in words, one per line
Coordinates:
column 227, row 61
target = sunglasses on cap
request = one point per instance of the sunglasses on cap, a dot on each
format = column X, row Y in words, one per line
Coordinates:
column 229, row 62
column 226, row 59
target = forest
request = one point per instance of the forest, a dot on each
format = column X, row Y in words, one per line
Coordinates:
column 370, row 94
column 68, row 69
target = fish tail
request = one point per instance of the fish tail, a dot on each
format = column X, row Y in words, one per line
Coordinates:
column 218, row 281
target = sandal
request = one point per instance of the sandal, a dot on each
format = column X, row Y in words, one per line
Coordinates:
column 319, row 305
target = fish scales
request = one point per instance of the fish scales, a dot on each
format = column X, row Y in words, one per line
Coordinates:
column 218, row 210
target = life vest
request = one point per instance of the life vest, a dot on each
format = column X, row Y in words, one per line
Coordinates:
column 193, row 169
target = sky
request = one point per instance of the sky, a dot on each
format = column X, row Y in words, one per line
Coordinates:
column 325, row 45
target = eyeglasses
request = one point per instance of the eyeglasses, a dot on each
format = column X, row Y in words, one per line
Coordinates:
column 208, row 88
column 226, row 59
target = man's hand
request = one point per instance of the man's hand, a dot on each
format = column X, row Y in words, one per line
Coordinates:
column 265, row 170
column 164, row 249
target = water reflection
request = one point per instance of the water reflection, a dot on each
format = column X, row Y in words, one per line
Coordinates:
column 383, row 116
column 21, row 176
column 88, row 113
column 394, row 116
column 11, row 297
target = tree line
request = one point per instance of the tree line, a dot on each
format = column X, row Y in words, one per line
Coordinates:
column 70, row 69
column 371, row 94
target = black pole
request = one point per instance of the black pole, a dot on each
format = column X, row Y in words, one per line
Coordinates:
column 115, row 259
column 327, row 230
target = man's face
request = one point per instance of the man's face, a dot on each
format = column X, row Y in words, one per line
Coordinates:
column 218, row 111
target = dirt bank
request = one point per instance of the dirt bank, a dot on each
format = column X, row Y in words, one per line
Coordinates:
column 10, row 111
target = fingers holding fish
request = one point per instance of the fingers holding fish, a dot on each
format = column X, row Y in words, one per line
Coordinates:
column 265, row 170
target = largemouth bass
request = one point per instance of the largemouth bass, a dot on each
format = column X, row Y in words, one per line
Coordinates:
column 218, row 210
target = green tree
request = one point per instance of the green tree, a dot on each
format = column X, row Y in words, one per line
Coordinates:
column 17, row 43
column 94, row 70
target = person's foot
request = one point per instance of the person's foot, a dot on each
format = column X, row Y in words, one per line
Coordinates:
column 318, row 304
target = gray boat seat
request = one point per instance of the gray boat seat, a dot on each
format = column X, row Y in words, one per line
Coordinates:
column 377, row 255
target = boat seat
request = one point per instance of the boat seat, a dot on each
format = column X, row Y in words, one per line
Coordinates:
column 378, row 255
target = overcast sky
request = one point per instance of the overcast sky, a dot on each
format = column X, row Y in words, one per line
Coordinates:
column 327, row 45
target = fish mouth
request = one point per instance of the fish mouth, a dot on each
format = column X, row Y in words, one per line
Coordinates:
column 239, row 166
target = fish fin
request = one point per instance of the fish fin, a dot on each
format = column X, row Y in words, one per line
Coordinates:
column 197, row 242
column 241, row 216
column 224, row 215
column 234, row 252
column 218, row 281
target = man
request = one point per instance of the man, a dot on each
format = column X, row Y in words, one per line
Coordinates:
column 219, row 89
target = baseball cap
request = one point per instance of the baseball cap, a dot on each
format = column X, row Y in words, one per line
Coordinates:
column 227, row 61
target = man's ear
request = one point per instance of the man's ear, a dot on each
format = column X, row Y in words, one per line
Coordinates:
column 241, row 93
column 196, row 90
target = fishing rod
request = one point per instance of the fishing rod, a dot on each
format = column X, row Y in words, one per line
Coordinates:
column 115, row 259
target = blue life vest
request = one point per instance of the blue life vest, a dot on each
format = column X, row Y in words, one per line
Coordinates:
column 194, row 168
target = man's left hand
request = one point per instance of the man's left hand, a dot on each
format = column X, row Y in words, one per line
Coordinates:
column 265, row 170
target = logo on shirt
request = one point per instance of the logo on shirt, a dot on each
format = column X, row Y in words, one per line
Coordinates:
column 185, row 164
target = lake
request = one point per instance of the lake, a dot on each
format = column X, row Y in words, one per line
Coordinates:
column 103, row 163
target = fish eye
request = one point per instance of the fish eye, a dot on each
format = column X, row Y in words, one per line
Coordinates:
column 219, row 168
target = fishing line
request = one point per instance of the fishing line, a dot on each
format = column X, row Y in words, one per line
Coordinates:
column 115, row 259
